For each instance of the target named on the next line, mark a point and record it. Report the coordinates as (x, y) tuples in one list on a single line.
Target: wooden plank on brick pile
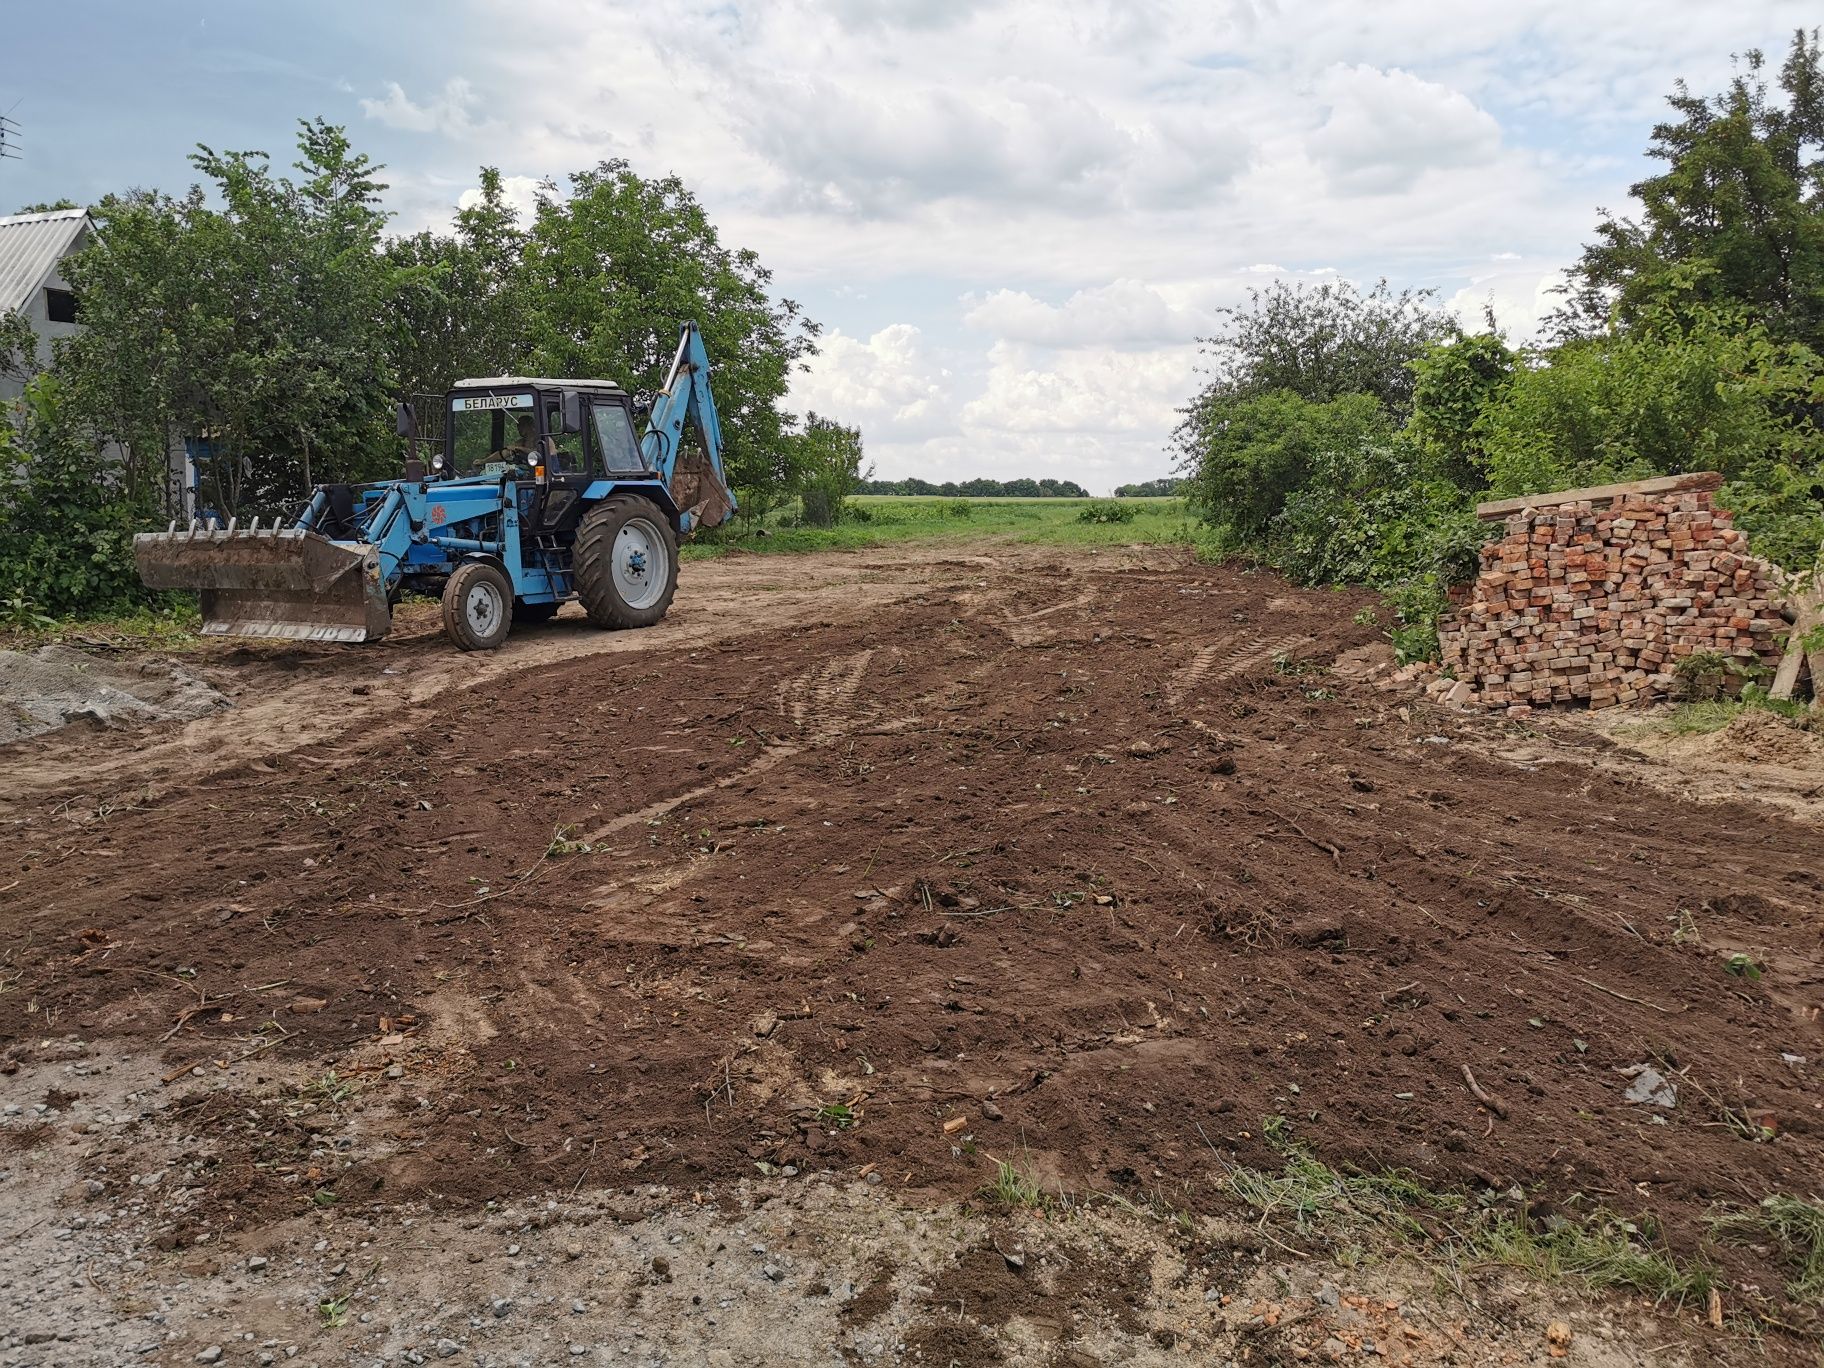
[(1662, 484), (1810, 617)]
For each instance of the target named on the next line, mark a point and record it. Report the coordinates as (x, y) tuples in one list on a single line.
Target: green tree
[(1453, 383), (462, 308), (1735, 219), (1319, 342), (612, 272), (1269, 446), (1149, 489), (51, 207), (828, 468), (260, 327), (18, 346)]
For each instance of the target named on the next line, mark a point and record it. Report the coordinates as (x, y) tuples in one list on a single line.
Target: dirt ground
[(858, 875)]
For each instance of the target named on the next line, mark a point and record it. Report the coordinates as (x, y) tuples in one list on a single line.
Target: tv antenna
[(9, 136)]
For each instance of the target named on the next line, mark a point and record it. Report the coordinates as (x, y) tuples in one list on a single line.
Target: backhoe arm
[(702, 490)]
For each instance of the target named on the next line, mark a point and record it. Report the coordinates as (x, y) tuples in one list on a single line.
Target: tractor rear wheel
[(626, 562), (477, 607)]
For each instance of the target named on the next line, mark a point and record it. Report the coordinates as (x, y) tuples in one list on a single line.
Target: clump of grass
[(1017, 1185), (334, 1311), (1603, 1250), (1797, 1228), (1713, 714), (1317, 1199), (328, 1090)]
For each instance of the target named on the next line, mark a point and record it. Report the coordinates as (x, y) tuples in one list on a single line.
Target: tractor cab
[(553, 438), (513, 424)]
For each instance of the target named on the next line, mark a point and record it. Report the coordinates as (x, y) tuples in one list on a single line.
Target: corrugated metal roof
[(30, 245)]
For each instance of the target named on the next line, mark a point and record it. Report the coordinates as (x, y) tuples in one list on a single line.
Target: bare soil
[(865, 863)]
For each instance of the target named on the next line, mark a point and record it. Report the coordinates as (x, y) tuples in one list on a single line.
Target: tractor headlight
[(436, 463)]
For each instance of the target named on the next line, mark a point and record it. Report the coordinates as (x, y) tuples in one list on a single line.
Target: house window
[(60, 306)]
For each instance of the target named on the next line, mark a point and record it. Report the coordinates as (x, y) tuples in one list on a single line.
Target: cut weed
[(1797, 1228), (1603, 1250), (1016, 1185)]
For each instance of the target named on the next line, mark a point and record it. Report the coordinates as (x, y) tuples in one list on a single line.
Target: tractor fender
[(652, 490), (488, 558)]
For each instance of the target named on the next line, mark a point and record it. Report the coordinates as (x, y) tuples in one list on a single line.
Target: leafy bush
[(1106, 511), (66, 527)]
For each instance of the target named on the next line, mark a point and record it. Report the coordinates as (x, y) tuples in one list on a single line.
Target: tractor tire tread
[(594, 567), (456, 624)]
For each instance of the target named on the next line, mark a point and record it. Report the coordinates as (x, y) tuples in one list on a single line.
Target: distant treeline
[(978, 489), (1150, 489)]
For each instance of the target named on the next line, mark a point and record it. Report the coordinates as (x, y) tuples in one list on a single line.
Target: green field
[(883, 518)]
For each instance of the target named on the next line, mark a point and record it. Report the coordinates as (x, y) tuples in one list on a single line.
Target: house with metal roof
[(32, 249)]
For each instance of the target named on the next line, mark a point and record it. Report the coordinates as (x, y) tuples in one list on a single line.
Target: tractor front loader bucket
[(274, 582)]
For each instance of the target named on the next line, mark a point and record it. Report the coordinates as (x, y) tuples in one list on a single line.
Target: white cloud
[(1121, 313), (521, 192), (1386, 128), (1095, 391), (888, 383), (446, 112)]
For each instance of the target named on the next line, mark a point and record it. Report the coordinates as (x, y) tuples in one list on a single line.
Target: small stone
[(512, 1251), (213, 1354), (256, 1263), (395, 1071), (447, 1348), (1328, 1295), (152, 1179), (661, 1265), (578, 1307), (578, 1350), (502, 1308), (874, 1180), (772, 1273), (306, 1006)]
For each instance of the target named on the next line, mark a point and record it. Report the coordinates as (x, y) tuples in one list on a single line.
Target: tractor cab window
[(564, 449), (615, 440), (490, 433)]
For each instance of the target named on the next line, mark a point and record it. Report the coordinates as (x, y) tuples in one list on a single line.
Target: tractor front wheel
[(477, 607), (626, 562)]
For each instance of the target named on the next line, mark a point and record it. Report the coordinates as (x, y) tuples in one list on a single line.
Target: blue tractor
[(541, 492)]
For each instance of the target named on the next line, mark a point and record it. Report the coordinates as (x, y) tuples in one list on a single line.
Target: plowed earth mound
[(1090, 864)]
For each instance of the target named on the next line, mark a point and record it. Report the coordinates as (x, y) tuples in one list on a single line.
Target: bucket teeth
[(265, 582)]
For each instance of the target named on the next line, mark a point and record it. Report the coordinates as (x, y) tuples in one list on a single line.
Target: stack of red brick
[(1598, 600)]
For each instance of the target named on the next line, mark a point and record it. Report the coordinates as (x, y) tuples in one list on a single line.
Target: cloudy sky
[(1013, 217)]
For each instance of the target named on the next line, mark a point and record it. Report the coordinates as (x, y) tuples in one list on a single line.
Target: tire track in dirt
[(820, 698), (1219, 662), (1019, 625)]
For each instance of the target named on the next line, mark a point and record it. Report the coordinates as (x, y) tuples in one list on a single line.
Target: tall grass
[(884, 519)]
